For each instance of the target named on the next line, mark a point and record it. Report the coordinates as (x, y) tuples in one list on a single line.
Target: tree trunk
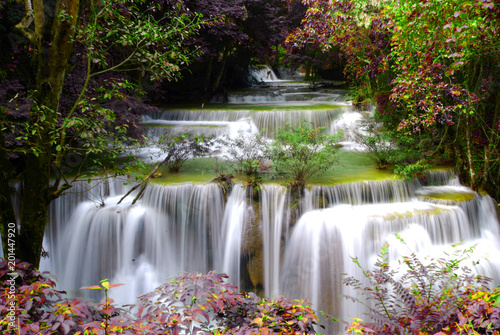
[(491, 149), (7, 214), (470, 160), (219, 74), (35, 202), (54, 42)]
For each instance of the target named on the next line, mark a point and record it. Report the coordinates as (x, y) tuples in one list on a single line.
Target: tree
[(302, 152), (241, 32), (108, 37), (431, 67), (352, 32), (446, 79)]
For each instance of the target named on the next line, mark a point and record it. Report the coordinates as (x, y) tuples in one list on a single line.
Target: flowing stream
[(258, 241)]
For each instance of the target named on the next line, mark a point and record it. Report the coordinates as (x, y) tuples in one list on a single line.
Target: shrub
[(180, 148), (188, 304), (379, 143), (441, 297), (302, 152), (248, 151)]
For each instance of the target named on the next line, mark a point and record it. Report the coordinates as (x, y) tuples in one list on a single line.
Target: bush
[(188, 304), (182, 147), (302, 152), (441, 297), (248, 151), (379, 143)]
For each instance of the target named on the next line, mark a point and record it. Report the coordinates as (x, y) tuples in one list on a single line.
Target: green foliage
[(380, 144), (303, 151), (440, 296), (432, 67), (412, 170), (246, 150), (132, 28)]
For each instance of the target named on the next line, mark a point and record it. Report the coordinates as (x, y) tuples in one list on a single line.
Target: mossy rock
[(408, 214), (448, 198)]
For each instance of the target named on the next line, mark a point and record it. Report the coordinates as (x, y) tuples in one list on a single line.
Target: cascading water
[(196, 227), (273, 220), (324, 241)]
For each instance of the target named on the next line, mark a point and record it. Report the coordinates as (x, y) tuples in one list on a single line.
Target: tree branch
[(27, 20), (145, 182)]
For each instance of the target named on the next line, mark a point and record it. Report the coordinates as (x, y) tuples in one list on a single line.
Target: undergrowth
[(188, 304), (440, 296)]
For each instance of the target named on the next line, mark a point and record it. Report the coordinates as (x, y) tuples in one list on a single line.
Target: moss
[(199, 170), (409, 214), (447, 197), (352, 167)]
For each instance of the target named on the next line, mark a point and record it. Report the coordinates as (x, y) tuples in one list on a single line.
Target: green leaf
[(95, 287)]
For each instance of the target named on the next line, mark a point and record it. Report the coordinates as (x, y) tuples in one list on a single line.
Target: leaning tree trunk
[(219, 74)]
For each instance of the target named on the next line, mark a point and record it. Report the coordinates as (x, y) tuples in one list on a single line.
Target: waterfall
[(263, 74), (172, 229), (218, 122), (273, 218), (233, 226), (324, 241), (364, 192), (191, 227)]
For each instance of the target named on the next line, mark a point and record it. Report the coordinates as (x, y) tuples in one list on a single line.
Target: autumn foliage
[(431, 67), (188, 304)]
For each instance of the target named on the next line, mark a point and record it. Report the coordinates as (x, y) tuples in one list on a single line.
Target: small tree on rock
[(380, 144), (302, 152), (182, 147)]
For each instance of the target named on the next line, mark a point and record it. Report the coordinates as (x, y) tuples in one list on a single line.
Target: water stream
[(195, 227)]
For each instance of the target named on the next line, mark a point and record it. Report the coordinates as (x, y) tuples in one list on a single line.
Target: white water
[(274, 222), (187, 227)]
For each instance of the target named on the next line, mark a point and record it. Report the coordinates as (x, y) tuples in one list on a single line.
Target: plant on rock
[(180, 148), (379, 143), (247, 151), (300, 152)]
